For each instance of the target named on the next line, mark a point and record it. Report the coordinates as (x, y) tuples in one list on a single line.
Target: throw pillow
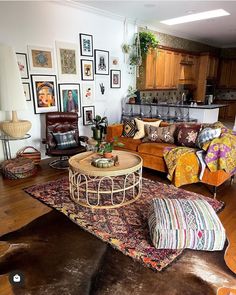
[(65, 140), (187, 135), (129, 128), (140, 126), (184, 223), (159, 134), (207, 134)]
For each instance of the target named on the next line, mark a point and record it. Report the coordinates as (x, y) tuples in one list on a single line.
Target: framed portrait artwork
[(86, 45), (101, 62), (44, 93), (41, 59), (70, 98), (87, 70), (67, 59), (23, 65), (27, 93), (102, 88), (115, 78), (87, 93), (88, 115)]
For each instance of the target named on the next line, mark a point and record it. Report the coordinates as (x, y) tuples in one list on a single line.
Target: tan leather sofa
[(152, 155)]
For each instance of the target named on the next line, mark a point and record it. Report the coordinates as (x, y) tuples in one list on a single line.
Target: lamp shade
[(12, 97)]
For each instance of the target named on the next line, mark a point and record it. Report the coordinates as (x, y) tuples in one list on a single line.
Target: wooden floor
[(17, 208)]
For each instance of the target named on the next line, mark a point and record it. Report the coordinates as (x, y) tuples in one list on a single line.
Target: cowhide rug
[(57, 258)]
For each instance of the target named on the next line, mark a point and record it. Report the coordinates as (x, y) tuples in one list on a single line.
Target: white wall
[(42, 23)]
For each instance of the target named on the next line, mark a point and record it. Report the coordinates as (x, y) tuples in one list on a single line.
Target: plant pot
[(107, 155), (97, 134)]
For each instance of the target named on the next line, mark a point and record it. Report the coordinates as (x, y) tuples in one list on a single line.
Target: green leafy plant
[(99, 126), (107, 147), (148, 41), (131, 92)]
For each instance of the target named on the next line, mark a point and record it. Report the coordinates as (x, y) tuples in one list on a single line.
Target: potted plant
[(148, 41), (106, 148), (131, 94), (99, 127)]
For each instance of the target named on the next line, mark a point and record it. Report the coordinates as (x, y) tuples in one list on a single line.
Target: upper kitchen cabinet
[(160, 70), (224, 73), (212, 67), (188, 69)]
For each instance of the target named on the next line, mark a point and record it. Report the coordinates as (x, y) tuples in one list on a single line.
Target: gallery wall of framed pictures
[(93, 67)]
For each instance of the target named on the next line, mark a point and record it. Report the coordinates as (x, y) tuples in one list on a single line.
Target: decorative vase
[(107, 155), (97, 134)]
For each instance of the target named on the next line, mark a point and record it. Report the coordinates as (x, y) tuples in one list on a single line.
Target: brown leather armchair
[(59, 123)]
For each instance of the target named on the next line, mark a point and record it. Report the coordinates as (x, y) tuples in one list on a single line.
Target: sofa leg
[(214, 191)]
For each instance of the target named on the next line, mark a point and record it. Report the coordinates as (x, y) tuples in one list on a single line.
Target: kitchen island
[(174, 112)]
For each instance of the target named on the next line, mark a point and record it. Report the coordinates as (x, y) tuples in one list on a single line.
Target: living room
[(103, 82)]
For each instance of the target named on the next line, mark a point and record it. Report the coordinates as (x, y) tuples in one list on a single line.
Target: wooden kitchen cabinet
[(232, 78), (188, 69), (228, 112), (225, 72), (212, 67)]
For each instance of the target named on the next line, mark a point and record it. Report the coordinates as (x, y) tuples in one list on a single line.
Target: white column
[(234, 128)]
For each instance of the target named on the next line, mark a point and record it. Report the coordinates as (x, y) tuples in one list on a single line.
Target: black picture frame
[(82, 37), (84, 76), (87, 121), (27, 91), (101, 61), (115, 79), (23, 64), (50, 82), (64, 88)]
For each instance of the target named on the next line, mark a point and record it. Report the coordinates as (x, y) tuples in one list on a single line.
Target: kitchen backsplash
[(226, 94), (170, 96)]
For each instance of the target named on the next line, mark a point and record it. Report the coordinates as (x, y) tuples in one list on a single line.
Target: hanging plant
[(148, 41)]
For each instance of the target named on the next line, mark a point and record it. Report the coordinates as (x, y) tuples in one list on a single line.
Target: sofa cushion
[(129, 143), (129, 128), (206, 135), (152, 148), (187, 135), (184, 223), (159, 134), (140, 126)]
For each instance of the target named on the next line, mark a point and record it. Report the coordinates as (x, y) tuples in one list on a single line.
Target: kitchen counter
[(172, 105)]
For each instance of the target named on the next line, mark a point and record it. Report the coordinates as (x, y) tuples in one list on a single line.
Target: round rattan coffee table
[(105, 188)]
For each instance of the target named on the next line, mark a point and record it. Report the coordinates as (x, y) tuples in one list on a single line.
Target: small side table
[(6, 144)]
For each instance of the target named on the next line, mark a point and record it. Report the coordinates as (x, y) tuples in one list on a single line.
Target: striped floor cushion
[(181, 223)]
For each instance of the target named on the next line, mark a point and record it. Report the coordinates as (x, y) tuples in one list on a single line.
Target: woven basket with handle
[(30, 152)]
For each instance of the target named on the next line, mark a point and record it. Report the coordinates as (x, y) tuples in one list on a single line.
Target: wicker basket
[(33, 155)]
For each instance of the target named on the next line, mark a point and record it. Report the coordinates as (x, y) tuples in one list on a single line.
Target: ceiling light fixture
[(195, 17)]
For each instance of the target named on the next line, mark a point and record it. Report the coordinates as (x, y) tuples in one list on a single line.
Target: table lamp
[(12, 97)]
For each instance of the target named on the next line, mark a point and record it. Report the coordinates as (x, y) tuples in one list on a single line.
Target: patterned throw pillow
[(185, 223), (140, 126), (159, 134), (187, 135), (65, 140), (207, 134), (129, 128)]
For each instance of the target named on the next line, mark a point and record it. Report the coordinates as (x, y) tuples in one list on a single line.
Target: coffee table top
[(128, 163)]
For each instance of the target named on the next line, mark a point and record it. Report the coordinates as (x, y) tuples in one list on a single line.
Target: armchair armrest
[(114, 130), (83, 138)]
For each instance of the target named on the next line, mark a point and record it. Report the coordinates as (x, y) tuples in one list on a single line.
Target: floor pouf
[(18, 168), (181, 223)]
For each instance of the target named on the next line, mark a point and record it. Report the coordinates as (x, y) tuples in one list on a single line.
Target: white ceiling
[(220, 32)]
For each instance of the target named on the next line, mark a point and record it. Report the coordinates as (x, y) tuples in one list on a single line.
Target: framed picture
[(70, 98), (115, 78), (114, 62), (86, 45), (102, 88), (22, 64), (87, 70), (41, 59), (101, 62), (88, 93), (26, 87), (88, 115), (44, 93), (67, 59)]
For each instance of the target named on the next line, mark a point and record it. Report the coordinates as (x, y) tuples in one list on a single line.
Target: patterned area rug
[(125, 228)]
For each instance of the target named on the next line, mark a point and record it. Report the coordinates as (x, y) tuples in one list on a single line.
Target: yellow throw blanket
[(183, 166)]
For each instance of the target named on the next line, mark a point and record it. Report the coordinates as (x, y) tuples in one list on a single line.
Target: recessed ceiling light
[(195, 17)]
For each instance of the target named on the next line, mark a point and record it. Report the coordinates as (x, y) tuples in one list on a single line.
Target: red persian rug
[(125, 228)]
